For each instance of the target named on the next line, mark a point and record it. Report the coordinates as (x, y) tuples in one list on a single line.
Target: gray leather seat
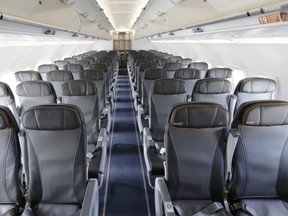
[(56, 162), (165, 93), (190, 76), (215, 90), (202, 66), (45, 68), (61, 64), (194, 171), (57, 78), (104, 69), (171, 67), (140, 73), (175, 59), (32, 93), (254, 88), (185, 62), (11, 200), (75, 69), (161, 62), (224, 73), (71, 60), (259, 164), (27, 75), (98, 77), (83, 93), (84, 63), (7, 99)]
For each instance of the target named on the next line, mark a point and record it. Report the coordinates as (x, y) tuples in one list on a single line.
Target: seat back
[(224, 73), (149, 76), (10, 193), (202, 66), (161, 62), (142, 67), (164, 94), (185, 62), (254, 88), (57, 78), (45, 68), (27, 75), (56, 148), (190, 76), (61, 64), (84, 63), (32, 93), (7, 99), (75, 69), (171, 67), (215, 90), (260, 159), (104, 69), (175, 59), (71, 60), (194, 143), (98, 77), (83, 93)]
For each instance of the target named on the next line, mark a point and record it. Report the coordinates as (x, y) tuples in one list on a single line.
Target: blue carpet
[(125, 190)]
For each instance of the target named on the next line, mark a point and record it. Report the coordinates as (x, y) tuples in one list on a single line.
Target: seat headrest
[(75, 67), (162, 61), (198, 115), (172, 66), (212, 86), (256, 85), (59, 75), (5, 90), (21, 76), (199, 65), (262, 113), (154, 73), (78, 88), (99, 66), (53, 117), (168, 86), (147, 65), (94, 74), (7, 119), (187, 73), (34, 88), (47, 67), (219, 73)]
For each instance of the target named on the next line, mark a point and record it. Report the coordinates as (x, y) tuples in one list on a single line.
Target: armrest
[(102, 143), (147, 138), (90, 205), (162, 199), (140, 112)]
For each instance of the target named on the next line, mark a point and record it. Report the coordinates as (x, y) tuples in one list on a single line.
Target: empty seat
[(170, 68), (83, 93), (161, 62), (97, 76), (175, 59), (11, 200), (185, 62), (57, 78), (194, 171), (202, 66), (84, 63), (71, 60), (61, 64), (27, 75), (225, 73), (56, 143), (259, 163), (254, 88), (190, 76), (7, 99), (214, 90), (32, 93), (75, 69), (140, 73), (104, 69), (164, 94), (45, 68)]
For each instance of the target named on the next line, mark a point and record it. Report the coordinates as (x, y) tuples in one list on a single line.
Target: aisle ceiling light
[(122, 13)]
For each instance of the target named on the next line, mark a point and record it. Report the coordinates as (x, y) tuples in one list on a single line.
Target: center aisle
[(125, 191)]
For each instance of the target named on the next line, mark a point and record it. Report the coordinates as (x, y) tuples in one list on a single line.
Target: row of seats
[(75, 122), (203, 171)]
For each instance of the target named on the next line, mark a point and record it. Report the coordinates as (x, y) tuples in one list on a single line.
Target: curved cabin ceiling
[(143, 17)]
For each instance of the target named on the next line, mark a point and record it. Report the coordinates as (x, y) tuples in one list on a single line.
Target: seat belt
[(211, 210), (230, 149)]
